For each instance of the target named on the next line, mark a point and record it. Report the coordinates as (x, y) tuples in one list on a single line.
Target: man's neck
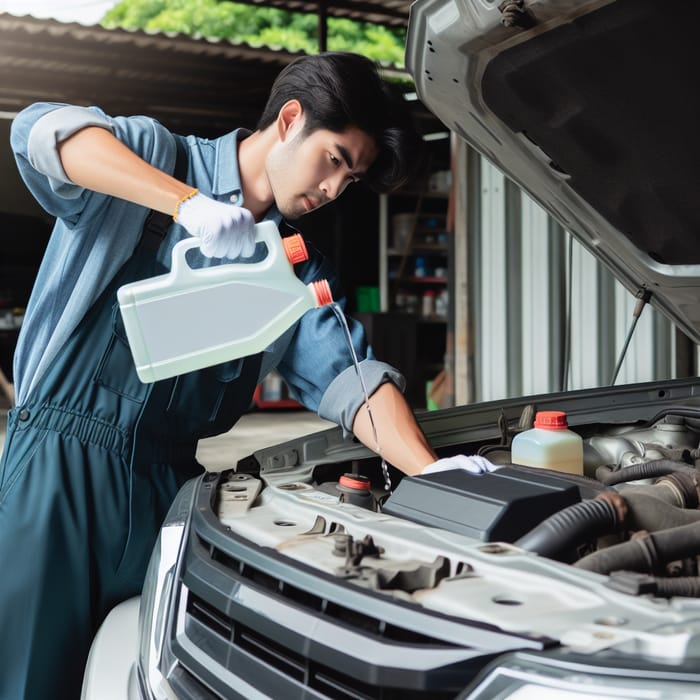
[(252, 154)]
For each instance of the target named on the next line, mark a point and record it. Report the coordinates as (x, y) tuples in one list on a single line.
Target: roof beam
[(391, 13)]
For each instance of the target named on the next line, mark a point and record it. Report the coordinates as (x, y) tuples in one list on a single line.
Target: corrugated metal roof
[(201, 85)]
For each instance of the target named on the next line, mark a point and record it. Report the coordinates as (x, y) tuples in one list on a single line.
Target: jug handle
[(265, 232)]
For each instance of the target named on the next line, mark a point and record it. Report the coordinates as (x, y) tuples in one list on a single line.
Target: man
[(93, 457)]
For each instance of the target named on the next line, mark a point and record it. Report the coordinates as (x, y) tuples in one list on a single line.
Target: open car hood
[(592, 107)]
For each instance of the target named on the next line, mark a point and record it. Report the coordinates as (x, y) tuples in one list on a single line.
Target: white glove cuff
[(181, 203)]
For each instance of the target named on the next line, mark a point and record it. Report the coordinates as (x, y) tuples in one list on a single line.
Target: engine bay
[(632, 516), (604, 562)]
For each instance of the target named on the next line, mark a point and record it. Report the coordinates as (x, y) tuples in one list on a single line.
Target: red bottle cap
[(323, 292), (355, 481), (295, 248), (551, 420)]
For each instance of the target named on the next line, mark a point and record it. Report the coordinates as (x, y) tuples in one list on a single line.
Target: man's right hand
[(226, 231), (474, 464)]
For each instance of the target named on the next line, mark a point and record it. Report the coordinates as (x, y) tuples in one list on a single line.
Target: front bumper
[(110, 673)]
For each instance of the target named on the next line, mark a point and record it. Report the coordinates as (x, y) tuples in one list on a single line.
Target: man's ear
[(290, 115)]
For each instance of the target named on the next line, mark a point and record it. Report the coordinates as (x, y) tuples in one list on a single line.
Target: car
[(296, 575)]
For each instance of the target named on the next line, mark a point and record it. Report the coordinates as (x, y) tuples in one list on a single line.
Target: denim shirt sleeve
[(36, 132), (94, 234), (317, 364)]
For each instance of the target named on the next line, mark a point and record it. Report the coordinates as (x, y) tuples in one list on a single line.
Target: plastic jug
[(190, 318), (550, 444)]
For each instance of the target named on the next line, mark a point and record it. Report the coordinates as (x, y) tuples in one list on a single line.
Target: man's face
[(308, 170)]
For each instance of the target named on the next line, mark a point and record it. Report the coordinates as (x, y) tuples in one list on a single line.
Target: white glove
[(474, 464), (226, 231)]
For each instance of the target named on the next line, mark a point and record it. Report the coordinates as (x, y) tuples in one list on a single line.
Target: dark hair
[(339, 90)]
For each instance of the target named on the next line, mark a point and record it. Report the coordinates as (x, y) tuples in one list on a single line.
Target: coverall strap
[(157, 223)]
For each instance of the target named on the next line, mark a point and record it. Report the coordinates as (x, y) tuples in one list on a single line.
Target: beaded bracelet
[(184, 199)]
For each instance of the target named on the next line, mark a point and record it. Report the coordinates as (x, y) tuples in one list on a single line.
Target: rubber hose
[(646, 554), (559, 534), (648, 511), (647, 470), (682, 484), (686, 586)]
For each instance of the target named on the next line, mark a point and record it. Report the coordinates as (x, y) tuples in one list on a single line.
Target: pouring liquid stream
[(344, 325)]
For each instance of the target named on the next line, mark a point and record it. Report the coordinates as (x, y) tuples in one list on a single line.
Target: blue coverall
[(93, 457)]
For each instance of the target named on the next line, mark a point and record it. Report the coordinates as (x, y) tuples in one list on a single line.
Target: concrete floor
[(255, 430)]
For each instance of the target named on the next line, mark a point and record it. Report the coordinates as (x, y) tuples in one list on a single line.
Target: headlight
[(156, 594), (526, 677)]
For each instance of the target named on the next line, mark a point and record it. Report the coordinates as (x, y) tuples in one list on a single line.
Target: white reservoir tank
[(550, 445)]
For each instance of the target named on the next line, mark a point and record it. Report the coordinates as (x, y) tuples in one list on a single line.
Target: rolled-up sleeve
[(345, 395), (38, 129), (35, 134), (48, 131)]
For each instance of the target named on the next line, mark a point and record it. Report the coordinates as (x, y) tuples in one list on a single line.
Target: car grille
[(251, 622), (318, 604), (327, 681)]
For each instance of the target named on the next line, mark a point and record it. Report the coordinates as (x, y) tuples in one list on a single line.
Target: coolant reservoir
[(550, 445)]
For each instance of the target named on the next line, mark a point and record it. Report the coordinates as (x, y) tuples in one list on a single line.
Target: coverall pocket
[(116, 371)]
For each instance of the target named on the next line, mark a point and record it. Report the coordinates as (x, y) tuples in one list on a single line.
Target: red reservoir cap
[(355, 481), (551, 420)]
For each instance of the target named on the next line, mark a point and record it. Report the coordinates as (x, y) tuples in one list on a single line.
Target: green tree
[(258, 26)]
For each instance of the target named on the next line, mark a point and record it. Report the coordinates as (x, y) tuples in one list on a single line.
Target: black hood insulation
[(612, 99)]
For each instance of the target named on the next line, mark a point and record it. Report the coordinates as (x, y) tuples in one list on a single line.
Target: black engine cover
[(499, 506)]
